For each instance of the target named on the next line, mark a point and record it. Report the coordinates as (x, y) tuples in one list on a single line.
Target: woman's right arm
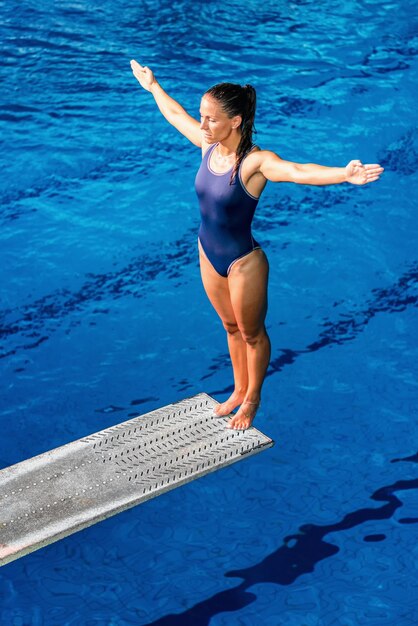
[(170, 108)]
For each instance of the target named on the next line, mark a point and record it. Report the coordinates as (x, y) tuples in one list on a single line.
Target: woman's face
[(214, 122)]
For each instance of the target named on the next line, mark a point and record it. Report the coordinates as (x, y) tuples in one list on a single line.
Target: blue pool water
[(103, 316)]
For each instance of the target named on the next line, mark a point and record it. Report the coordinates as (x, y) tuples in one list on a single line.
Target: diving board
[(64, 490)]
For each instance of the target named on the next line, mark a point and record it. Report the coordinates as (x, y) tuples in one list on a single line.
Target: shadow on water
[(298, 554)]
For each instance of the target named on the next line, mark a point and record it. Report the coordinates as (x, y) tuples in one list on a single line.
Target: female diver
[(230, 180)]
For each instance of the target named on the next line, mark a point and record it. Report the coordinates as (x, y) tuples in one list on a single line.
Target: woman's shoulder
[(255, 149), (255, 160), (251, 162), (258, 154)]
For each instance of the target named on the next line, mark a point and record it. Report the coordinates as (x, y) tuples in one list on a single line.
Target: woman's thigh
[(217, 290), (248, 281)]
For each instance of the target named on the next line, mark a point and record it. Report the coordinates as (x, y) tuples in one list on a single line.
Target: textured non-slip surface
[(64, 490)]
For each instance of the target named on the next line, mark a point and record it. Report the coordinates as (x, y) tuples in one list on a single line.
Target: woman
[(231, 178)]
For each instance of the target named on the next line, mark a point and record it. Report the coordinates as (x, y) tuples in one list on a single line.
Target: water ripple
[(38, 319), (402, 155)]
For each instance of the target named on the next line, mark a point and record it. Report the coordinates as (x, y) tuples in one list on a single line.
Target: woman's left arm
[(278, 170)]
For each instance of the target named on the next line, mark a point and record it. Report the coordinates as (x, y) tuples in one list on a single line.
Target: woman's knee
[(231, 327), (253, 336)]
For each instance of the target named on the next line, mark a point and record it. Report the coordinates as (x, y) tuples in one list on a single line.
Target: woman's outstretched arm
[(170, 108), (277, 170)]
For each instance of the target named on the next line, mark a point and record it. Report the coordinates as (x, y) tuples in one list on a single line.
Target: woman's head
[(228, 108), (236, 101)]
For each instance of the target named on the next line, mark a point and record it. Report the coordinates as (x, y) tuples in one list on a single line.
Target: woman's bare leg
[(248, 293), (238, 353), (217, 290)]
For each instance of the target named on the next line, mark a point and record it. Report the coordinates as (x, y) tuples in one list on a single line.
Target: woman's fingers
[(143, 74), (374, 168), (139, 69), (360, 174), (136, 64), (373, 171), (136, 68)]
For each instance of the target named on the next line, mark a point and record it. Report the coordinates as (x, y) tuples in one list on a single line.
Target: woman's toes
[(242, 420), (237, 423)]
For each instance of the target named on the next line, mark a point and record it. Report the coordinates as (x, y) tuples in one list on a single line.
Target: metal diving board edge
[(57, 493)]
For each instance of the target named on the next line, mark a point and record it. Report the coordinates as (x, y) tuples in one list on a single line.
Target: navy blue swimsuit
[(226, 215)]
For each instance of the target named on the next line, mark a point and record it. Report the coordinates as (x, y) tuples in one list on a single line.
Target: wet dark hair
[(237, 100)]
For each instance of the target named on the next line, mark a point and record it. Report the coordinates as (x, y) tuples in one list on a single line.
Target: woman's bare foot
[(234, 400), (244, 417)]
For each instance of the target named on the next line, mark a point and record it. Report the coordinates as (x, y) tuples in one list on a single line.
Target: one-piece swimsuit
[(226, 211)]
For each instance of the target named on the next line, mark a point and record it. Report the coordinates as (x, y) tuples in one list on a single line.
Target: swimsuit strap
[(210, 150), (246, 154)]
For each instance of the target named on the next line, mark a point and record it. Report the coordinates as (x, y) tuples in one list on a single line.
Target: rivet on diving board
[(62, 491)]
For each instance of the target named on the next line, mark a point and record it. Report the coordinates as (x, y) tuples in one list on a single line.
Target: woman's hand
[(359, 174), (144, 75)]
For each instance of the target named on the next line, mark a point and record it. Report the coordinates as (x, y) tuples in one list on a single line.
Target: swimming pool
[(103, 314)]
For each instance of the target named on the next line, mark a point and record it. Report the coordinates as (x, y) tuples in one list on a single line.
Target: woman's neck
[(228, 147)]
